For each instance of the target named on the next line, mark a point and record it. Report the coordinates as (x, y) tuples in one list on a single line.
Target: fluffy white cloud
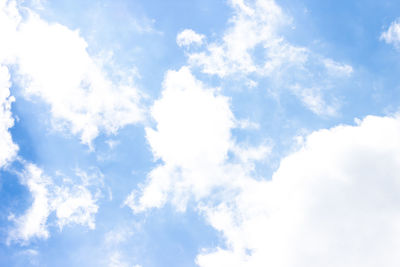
[(188, 37), (253, 45), (192, 136), (333, 203), (193, 139), (8, 149), (53, 63), (392, 35), (73, 203)]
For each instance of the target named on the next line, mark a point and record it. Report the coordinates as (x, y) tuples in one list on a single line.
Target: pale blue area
[(346, 31)]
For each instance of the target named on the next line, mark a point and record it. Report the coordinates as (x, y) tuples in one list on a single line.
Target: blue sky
[(199, 133)]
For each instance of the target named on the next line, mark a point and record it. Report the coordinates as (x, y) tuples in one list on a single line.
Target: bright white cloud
[(8, 149), (53, 64), (392, 35), (253, 45), (188, 37), (334, 202), (193, 139), (73, 203)]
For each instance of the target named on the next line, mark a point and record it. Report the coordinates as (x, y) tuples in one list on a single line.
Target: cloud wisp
[(72, 202), (253, 48)]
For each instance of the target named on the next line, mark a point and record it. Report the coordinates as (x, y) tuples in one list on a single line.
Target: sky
[(209, 133)]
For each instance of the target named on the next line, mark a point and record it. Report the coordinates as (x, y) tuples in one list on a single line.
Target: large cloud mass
[(334, 202)]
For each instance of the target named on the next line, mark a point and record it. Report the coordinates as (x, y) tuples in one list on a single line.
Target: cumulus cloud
[(253, 45), (392, 35), (53, 64), (8, 149), (188, 37), (72, 203), (192, 138), (332, 202)]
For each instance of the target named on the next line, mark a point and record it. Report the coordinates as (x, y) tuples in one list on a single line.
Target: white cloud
[(188, 37), (248, 153), (8, 149), (392, 35), (33, 223), (253, 24), (336, 68), (53, 64), (312, 98), (253, 45), (73, 203), (334, 202), (8, 21), (192, 138)]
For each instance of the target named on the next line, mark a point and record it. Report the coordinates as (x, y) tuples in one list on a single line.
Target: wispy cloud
[(72, 202), (253, 45)]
